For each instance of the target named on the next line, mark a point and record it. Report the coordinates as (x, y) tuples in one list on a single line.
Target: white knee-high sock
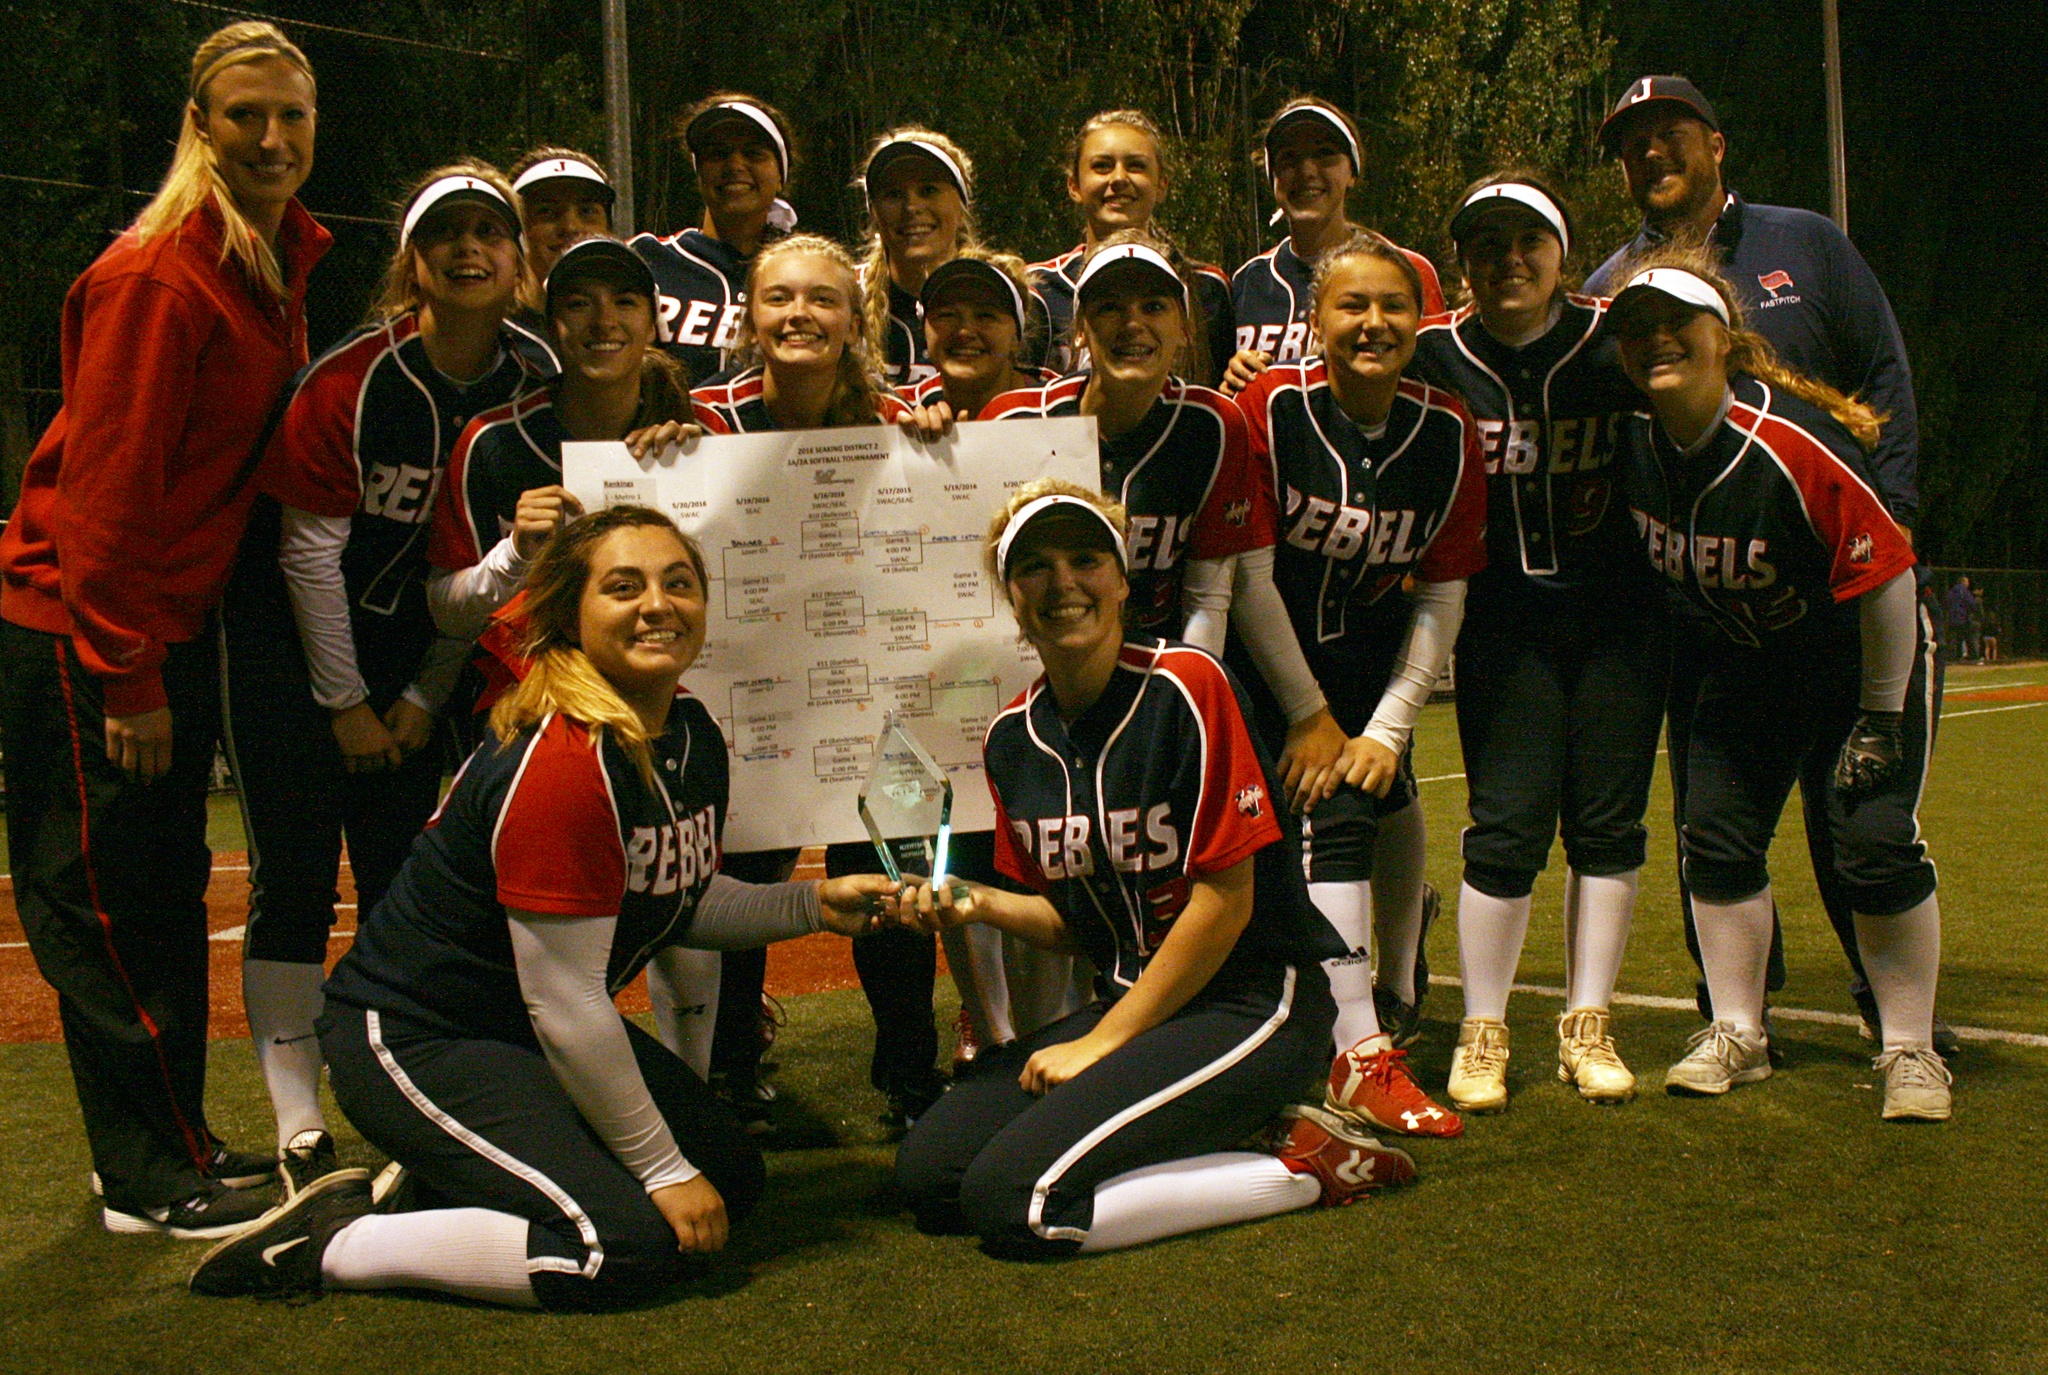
[(1347, 907), (1398, 857), (682, 993), (1598, 909), (1490, 935), (974, 954), (1188, 1195), (1902, 956), (474, 1252), (284, 1001), (1735, 945)]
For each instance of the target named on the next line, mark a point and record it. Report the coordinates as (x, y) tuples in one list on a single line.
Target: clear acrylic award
[(906, 803)]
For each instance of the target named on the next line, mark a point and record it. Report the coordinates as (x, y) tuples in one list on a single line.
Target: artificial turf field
[(1780, 1229)]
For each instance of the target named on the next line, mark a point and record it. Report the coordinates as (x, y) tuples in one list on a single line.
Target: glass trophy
[(906, 803)]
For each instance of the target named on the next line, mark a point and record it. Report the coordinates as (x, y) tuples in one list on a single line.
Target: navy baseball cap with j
[(1652, 92)]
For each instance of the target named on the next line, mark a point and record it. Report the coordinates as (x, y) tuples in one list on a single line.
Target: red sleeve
[(1238, 512), (1235, 818), (556, 848), (889, 407), (130, 386), (311, 461), (453, 541), (1865, 546), (1432, 288), (1012, 861), (1459, 549)]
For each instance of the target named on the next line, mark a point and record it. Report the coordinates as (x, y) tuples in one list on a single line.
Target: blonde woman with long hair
[(919, 187), (177, 342), (576, 1161)]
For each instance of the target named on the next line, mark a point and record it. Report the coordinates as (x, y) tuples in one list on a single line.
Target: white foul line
[(1986, 711)]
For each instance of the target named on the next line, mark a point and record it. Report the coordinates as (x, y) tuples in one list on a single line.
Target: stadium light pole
[(618, 113), (1838, 153)]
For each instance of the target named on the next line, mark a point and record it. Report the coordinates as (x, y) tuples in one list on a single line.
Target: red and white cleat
[(1376, 1090), (1344, 1160), (966, 1045)]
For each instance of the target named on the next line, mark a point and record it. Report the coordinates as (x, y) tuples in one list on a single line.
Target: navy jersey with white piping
[(1114, 816), (737, 406), (1358, 514), (1805, 288), (1773, 527), (533, 338), (933, 388), (366, 434), (1547, 415), (701, 289), (502, 453), (557, 821), (1184, 473), (1273, 295), (1054, 281)]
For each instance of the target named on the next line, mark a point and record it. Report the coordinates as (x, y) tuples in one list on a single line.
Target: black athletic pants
[(486, 1124), (298, 800), (110, 880), (898, 970), (1558, 714), (1021, 1172)]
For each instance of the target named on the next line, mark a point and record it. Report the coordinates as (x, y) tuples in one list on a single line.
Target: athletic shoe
[(1432, 902), (1479, 1066), (306, 1157), (966, 1045), (748, 1098), (1401, 1021), (230, 1168), (391, 1191), (1343, 1159), (280, 1255), (1946, 1043), (1916, 1085), (1376, 1089), (910, 1098), (214, 1211), (1721, 1055), (1586, 1057)]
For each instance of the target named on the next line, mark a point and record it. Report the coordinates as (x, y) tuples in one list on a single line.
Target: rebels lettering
[(1128, 854), (1156, 541), (667, 859), (398, 491), (1576, 445), (697, 324), (1279, 342), (1342, 532), (1716, 562), (1059, 844)]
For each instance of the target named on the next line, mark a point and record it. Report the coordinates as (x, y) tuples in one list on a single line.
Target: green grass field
[(1782, 1229)]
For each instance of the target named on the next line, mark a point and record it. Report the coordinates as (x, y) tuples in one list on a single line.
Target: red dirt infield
[(2030, 692)]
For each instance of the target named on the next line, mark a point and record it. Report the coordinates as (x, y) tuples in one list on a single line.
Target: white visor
[(1327, 116), (895, 148), (975, 270), (1680, 285), (560, 169), (1031, 510), (755, 115), (1127, 253), (471, 188), (1522, 194)]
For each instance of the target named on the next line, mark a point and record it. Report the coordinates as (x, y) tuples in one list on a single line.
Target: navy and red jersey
[(735, 406), (1359, 513), (701, 288), (558, 821), (1548, 416), (366, 434), (1115, 815), (1273, 295), (502, 453), (1185, 475), (1772, 526), (933, 388), (533, 338), (1054, 281), (904, 360)]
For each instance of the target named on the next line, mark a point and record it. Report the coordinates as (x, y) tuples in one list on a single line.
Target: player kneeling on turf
[(470, 1031), (1130, 796)]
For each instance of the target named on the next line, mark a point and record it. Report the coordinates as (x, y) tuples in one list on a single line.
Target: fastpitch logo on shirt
[(667, 859), (1575, 445), (1344, 532), (1861, 549), (1778, 289), (1059, 845), (1252, 800)]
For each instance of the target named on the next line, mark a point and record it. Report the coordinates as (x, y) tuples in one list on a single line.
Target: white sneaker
[(1587, 1059), (1479, 1066), (1721, 1055), (1916, 1085)]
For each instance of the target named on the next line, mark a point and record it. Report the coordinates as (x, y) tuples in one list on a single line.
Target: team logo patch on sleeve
[(1774, 282), (1237, 513), (1861, 548), (1252, 800)]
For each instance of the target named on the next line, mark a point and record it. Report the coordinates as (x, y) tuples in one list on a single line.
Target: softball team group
[(1203, 896)]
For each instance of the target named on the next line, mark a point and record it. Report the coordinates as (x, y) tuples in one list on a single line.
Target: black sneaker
[(308, 1156), (910, 1098), (748, 1098), (214, 1211), (239, 1169), (1432, 903), (1402, 1021), (280, 1256)]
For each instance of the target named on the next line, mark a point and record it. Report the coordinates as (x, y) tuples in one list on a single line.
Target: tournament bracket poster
[(845, 581)]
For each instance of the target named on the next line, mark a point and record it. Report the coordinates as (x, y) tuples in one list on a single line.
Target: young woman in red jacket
[(177, 342)]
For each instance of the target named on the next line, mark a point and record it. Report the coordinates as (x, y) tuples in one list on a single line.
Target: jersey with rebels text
[(1185, 475), (557, 821), (933, 388), (1272, 296), (366, 434), (1054, 281), (1548, 414), (736, 406), (701, 289), (1770, 528), (1115, 815), (503, 452), (1358, 514)]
